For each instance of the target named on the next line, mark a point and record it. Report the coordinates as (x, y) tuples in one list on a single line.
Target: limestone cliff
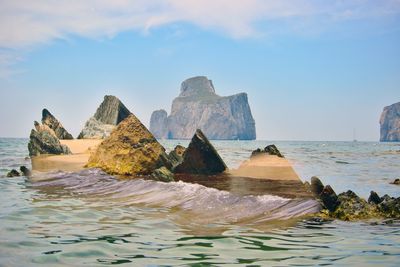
[(109, 114), (199, 107), (390, 123)]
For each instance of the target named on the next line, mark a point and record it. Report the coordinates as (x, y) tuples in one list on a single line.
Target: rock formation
[(390, 123), (199, 107), (43, 140), (176, 155), (269, 150), (13, 173), (49, 120), (200, 157), (109, 114), (130, 150)]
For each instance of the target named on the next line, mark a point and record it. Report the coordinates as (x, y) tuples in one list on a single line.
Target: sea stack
[(390, 123), (199, 107), (109, 114), (130, 150), (59, 130)]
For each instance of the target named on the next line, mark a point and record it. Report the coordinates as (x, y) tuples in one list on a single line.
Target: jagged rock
[(200, 157), (109, 114), (390, 207), (316, 186), (130, 150), (25, 171), (374, 198), (199, 107), (13, 173), (396, 181), (49, 120), (159, 124), (43, 140), (176, 155), (329, 198), (269, 150), (390, 123), (163, 175), (352, 207)]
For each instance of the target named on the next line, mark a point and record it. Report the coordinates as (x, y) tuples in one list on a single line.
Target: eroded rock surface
[(199, 107), (59, 130), (390, 123), (130, 150), (109, 114)]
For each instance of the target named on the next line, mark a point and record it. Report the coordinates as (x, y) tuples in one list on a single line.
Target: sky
[(313, 70)]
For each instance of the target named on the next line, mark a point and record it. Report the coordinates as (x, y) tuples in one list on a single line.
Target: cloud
[(26, 24)]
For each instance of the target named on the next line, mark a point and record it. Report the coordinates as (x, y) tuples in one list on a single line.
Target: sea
[(89, 218)]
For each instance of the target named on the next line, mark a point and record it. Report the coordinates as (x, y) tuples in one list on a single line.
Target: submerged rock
[(201, 157), (396, 181), (269, 150), (59, 130), (130, 150), (25, 171), (43, 140), (390, 123), (163, 175), (13, 173), (199, 107), (109, 114)]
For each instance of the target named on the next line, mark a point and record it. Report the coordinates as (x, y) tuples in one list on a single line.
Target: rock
[(396, 181), (49, 120), (159, 124), (176, 155), (390, 123), (43, 140), (316, 186), (13, 173), (390, 207), (109, 114), (329, 198), (25, 171), (269, 150), (200, 157), (163, 175), (199, 107), (129, 150), (374, 198), (351, 207)]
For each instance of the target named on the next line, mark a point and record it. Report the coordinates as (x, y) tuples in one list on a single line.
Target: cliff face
[(109, 114), (390, 123), (159, 124), (199, 107)]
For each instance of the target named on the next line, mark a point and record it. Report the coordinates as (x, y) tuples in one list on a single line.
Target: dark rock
[(329, 198), (374, 198), (13, 173), (390, 207), (43, 140), (159, 124), (163, 175), (49, 120), (109, 114), (390, 123), (25, 171), (316, 186), (269, 150), (199, 107), (176, 155), (351, 207), (201, 157), (396, 181)]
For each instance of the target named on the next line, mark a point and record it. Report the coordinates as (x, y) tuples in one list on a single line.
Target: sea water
[(89, 218)]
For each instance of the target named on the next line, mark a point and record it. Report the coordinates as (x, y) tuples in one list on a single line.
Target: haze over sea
[(89, 218)]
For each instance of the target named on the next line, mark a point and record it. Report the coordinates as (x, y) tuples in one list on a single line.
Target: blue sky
[(313, 70)]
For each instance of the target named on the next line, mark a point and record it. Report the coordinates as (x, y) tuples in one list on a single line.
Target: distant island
[(390, 123), (199, 107)]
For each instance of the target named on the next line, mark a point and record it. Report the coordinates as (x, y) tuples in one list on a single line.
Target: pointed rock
[(201, 157), (109, 114), (374, 198), (49, 120), (130, 150), (329, 198), (316, 186)]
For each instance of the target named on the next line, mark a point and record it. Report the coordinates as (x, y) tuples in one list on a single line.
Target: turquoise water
[(89, 218)]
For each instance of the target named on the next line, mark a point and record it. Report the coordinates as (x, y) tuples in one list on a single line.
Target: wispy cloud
[(26, 24)]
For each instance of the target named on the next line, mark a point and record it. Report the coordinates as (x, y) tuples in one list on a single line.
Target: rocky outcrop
[(109, 114), (43, 140), (269, 150), (390, 123), (176, 155), (130, 150), (200, 157), (159, 124), (199, 107), (59, 130), (13, 173)]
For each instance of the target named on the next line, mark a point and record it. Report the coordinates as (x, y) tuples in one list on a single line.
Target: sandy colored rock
[(59, 130), (130, 150)]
